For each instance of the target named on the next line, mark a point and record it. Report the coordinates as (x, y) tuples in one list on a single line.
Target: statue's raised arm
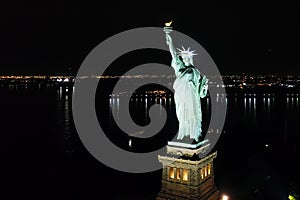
[(171, 46), (177, 63)]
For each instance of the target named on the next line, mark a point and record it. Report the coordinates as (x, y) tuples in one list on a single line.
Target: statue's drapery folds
[(189, 87)]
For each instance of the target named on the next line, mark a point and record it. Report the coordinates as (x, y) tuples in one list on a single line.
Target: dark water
[(42, 156)]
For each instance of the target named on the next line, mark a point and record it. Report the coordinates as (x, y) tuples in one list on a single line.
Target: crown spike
[(186, 51)]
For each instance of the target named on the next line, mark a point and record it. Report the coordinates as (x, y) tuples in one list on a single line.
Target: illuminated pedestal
[(187, 178)]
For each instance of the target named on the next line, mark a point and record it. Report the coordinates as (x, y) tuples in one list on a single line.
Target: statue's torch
[(168, 28)]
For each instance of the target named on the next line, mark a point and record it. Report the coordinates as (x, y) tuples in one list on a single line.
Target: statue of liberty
[(189, 87)]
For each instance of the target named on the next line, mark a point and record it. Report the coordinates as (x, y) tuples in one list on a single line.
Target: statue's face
[(186, 59)]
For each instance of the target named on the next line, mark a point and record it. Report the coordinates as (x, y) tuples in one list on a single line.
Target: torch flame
[(169, 23)]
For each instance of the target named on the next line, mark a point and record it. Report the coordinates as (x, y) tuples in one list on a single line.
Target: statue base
[(187, 145), (185, 149), (188, 179)]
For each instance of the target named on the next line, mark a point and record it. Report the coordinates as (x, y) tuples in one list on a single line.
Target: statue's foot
[(199, 139), (195, 141), (186, 140)]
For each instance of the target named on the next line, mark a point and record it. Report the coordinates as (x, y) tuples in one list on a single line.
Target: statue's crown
[(186, 52)]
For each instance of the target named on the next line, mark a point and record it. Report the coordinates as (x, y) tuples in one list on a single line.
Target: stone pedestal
[(188, 177)]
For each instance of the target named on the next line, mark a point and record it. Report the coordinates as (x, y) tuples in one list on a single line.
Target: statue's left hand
[(204, 86)]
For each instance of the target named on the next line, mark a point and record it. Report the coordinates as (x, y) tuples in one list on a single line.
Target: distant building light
[(267, 145)]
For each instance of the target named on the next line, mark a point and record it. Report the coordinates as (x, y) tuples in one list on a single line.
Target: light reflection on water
[(254, 105), (166, 100), (64, 118), (251, 103)]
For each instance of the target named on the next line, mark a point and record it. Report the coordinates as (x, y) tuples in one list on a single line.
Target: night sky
[(55, 37)]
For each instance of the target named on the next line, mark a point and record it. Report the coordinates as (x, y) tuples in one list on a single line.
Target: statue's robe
[(189, 87)]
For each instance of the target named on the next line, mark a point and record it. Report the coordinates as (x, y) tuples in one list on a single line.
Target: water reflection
[(145, 102), (268, 102), (59, 93), (269, 107), (64, 118), (254, 107), (292, 102), (253, 104)]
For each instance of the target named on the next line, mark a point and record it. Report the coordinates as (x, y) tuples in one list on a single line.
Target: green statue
[(189, 87)]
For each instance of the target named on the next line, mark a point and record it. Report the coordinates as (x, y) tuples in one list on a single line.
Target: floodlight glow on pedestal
[(225, 197)]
